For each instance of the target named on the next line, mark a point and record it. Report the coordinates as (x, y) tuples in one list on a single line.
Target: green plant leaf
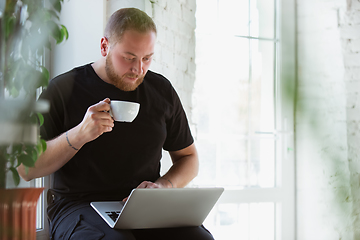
[(18, 164), (64, 32), (15, 175), (26, 160), (16, 148), (10, 25), (11, 78), (55, 31), (46, 74), (56, 4), (48, 14), (52, 14), (41, 119), (39, 148), (32, 81), (43, 144), (35, 154), (40, 79), (14, 92), (11, 159), (32, 151)]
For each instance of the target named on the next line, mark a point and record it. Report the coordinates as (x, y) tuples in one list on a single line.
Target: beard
[(119, 81)]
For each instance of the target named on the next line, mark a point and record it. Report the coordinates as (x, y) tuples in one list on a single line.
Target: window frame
[(283, 194), (286, 102), (43, 233)]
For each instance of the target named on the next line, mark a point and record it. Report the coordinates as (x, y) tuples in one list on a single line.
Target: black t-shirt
[(110, 166)]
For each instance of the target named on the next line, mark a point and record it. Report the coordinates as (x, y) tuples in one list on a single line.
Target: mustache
[(132, 75)]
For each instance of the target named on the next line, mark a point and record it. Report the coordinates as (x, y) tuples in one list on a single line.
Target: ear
[(104, 46)]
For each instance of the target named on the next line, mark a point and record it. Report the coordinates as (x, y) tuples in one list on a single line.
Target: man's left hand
[(148, 184)]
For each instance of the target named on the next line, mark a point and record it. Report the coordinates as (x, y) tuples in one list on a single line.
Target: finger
[(101, 106), (106, 129), (143, 184), (125, 199), (154, 185), (101, 122), (107, 100), (107, 123), (100, 125), (147, 184), (103, 115)]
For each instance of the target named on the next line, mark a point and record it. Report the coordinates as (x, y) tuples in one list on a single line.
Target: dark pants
[(83, 222)]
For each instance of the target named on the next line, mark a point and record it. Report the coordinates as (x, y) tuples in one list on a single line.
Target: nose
[(137, 67)]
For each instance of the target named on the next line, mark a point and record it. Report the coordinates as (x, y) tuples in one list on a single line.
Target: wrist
[(69, 143), (165, 182), (73, 139)]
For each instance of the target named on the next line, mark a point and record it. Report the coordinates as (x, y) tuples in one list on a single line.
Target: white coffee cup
[(123, 111)]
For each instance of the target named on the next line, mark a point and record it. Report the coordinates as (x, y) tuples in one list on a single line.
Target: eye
[(146, 59), (129, 59)]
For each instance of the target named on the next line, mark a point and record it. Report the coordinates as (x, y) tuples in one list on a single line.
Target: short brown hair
[(127, 19)]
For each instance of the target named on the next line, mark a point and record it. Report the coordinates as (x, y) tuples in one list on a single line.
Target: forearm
[(61, 149), (180, 174), (57, 154), (184, 169)]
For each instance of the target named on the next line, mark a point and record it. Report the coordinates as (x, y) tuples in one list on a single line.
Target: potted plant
[(27, 28)]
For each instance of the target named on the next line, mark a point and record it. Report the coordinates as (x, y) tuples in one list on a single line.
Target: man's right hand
[(96, 121), (59, 151)]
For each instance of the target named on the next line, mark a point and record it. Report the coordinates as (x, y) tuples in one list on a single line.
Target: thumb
[(103, 105), (107, 100)]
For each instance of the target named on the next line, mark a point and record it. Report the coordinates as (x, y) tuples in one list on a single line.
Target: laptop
[(159, 208)]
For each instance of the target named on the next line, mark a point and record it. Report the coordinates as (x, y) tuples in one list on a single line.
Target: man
[(93, 158)]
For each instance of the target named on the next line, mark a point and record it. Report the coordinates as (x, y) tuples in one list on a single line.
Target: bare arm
[(59, 152), (184, 169)]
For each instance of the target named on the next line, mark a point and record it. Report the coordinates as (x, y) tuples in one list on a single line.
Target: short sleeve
[(177, 126)]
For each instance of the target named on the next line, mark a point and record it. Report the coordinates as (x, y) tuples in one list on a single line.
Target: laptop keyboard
[(113, 215)]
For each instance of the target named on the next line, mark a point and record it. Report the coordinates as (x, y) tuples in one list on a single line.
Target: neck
[(99, 68)]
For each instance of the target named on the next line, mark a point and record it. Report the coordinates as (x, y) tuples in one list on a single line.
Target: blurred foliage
[(27, 28)]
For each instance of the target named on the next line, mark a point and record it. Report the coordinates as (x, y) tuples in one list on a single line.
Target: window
[(243, 132), (42, 224)]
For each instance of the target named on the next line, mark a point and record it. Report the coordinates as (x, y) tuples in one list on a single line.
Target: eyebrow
[(149, 55)]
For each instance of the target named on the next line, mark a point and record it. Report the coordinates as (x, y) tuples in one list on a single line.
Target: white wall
[(113, 5), (84, 20), (327, 117), (350, 37), (175, 50)]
